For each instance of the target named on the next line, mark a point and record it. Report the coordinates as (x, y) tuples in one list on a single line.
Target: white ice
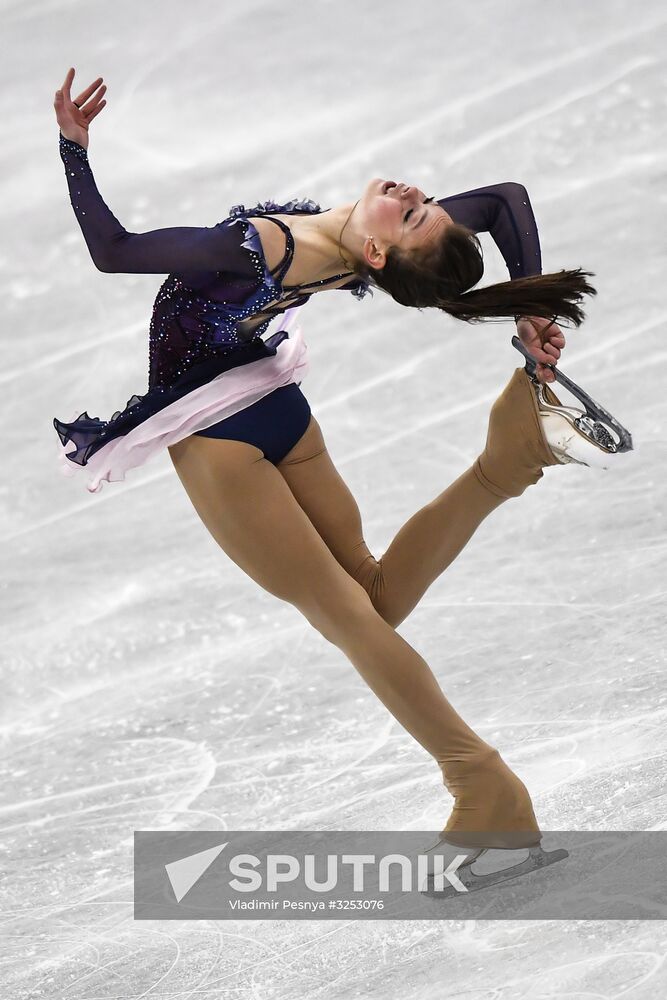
[(147, 681)]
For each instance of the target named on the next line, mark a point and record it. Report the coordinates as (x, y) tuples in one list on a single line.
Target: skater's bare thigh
[(249, 509)]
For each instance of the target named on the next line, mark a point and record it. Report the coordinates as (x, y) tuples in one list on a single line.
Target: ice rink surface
[(147, 681)]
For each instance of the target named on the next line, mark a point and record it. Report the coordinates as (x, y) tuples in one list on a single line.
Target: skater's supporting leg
[(250, 511)]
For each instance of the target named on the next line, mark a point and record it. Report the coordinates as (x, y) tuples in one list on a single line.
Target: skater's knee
[(370, 574), (389, 602)]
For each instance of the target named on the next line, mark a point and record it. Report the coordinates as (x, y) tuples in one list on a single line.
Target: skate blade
[(474, 881), (597, 423)]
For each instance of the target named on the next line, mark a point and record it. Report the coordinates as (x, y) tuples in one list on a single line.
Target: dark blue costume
[(218, 279)]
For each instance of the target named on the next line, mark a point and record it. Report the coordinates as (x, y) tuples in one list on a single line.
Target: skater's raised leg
[(250, 511), (515, 452)]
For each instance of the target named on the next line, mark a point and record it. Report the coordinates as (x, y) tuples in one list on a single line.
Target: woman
[(252, 457)]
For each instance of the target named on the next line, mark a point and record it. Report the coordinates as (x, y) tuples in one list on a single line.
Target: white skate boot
[(572, 435)]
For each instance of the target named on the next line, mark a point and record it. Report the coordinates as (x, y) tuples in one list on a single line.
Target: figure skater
[(251, 456)]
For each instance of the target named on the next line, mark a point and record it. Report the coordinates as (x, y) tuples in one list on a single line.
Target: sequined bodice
[(198, 316), (220, 293)]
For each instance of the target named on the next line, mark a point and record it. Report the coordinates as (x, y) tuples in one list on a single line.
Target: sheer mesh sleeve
[(162, 251), (504, 210)]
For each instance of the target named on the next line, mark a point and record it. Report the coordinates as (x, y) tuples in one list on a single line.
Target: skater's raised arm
[(162, 251), (112, 248), (504, 211)]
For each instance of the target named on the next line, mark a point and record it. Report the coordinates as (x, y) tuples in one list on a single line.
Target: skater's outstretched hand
[(544, 340), (74, 116)]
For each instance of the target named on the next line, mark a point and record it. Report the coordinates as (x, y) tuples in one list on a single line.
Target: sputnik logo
[(186, 871)]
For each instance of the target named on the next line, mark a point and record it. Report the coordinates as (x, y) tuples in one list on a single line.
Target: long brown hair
[(441, 277)]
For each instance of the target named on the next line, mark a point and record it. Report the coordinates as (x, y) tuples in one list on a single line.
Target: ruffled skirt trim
[(107, 449)]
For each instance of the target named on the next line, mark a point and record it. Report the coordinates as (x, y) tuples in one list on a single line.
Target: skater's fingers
[(548, 332), (69, 76), (557, 341), (544, 374), (552, 350), (540, 355), (88, 92)]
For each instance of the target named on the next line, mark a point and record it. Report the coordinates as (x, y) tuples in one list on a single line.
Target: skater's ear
[(431, 274)]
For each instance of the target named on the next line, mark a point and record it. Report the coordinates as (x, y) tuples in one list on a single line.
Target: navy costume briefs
[(273, 424)]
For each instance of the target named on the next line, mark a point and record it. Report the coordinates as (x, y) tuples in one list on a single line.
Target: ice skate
[(517, 449), (481, 867), (587, 437), (492, 834)]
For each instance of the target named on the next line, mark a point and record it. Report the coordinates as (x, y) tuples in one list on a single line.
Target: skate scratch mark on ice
[(145, 799), (399, 373), (588, 610), (162, 55), (69, 696), (332, 807), (582, 554), (641, 599), (519, 123), (275, 954), (575, 739), (300, 950), (107, 967), (48, 360), (519, 79), (108, 970), (372, 748), (101, 787), (95, 899), (273, 682), (478, 648), (632, 164), (208, 765), (614, 369)]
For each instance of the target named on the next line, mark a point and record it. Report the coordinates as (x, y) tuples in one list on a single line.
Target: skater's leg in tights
[(433, 537), (250, 511)]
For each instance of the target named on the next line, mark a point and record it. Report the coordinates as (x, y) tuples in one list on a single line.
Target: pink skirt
[(222, 396)]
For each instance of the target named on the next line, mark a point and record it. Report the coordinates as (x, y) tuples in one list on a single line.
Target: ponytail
[(444, 276), (552, 296)]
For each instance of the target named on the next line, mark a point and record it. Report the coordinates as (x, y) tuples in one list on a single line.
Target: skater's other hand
[(73, 120), (544, 340)]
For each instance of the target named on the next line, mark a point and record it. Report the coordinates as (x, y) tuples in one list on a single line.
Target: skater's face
[(398, 215)]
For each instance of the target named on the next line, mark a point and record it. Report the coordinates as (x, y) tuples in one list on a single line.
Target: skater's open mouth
[(387, 185)]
